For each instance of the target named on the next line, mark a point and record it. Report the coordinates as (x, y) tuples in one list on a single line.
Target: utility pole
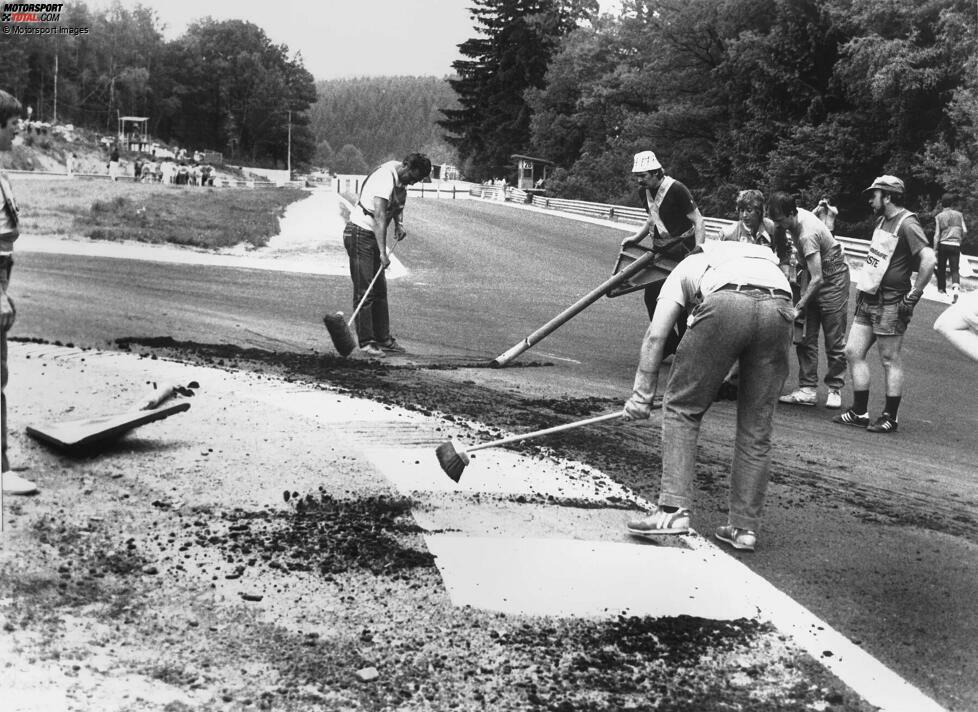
[(289, 154), (54, 119)]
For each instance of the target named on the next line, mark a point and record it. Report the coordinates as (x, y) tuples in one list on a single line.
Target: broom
[(454, 459), (339, 329)]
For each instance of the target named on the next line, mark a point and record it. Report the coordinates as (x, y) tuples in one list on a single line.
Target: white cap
[(645, 161)]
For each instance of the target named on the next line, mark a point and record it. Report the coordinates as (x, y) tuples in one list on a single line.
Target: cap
[(888, 183), (645, 161)]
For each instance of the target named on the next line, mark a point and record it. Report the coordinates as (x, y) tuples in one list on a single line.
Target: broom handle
[(547, 431), (370, 286)]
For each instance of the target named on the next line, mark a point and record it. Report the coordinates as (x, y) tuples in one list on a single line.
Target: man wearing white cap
[(885, 302), (675, 223)]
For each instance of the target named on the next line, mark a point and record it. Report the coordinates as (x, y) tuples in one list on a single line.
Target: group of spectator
[(149, 169)]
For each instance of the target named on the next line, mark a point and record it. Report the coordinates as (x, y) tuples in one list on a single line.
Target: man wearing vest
[(823, 303), (885, 302), (949, 231), (740, 312), (675, 224), (10, 116), (381, 202)]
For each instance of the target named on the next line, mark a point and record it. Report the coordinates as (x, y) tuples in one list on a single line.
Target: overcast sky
[(351, 38)]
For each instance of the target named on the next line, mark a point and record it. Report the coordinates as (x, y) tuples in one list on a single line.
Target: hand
[(7, 312), (399, 233), (385, 260), (799, 312), (906, 306), (632, 240), (637, 408)]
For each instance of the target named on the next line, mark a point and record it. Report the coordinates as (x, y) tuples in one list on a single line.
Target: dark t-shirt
[(905, 256), (676, 205)]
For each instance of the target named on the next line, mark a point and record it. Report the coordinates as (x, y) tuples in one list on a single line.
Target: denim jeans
[(827, 311), (373, 321), (754, 330), (948, 256)]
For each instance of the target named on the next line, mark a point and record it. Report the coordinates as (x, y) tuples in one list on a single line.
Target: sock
[(860, 401), (892, 406)]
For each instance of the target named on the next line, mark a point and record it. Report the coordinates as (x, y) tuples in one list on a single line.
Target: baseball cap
[(888, 183), (645, 161)]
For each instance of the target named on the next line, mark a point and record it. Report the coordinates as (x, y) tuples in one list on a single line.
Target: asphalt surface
[(877, 535)]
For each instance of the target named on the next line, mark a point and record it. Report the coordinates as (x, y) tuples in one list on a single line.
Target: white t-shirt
[(723, 263), (380, 184)]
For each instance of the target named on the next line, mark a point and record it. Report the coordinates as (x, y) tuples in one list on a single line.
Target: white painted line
[(544, 354), (560, 577)]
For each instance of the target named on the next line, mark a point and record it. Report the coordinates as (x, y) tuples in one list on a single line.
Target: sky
[(350, 38)]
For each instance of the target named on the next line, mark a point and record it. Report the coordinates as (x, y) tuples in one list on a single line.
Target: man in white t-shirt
[(740, 311), (381, 202)]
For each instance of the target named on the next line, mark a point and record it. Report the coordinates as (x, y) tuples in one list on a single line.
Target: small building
[(531, 173), (133, 133)]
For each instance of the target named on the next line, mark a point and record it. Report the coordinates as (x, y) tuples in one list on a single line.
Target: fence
[(855, 248)]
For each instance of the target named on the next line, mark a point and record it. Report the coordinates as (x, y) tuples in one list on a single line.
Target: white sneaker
[(15, 484), (802, 396), (833, 400), (955, 293)]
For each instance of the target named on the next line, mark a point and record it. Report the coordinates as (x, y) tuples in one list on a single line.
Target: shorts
[(883, 316)]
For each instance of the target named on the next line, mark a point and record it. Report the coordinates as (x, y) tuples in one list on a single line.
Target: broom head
[(339, 332), (452, 460)]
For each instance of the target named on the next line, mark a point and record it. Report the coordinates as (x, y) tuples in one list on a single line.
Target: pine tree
[(517, 40)]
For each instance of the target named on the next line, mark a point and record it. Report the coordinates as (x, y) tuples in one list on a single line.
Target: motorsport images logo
[(30, 12)]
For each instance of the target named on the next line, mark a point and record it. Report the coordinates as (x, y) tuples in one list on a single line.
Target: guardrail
[(855, 249)]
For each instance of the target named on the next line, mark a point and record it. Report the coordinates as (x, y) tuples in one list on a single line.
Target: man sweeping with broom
[(381, 202), (740, 311)]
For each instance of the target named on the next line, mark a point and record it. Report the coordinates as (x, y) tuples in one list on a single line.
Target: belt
[(757, 290)]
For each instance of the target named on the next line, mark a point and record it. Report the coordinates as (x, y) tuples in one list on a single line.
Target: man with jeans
[(740, 312), (885, 302), (10, 118), (381, 202), (823, 278), (949, 231)]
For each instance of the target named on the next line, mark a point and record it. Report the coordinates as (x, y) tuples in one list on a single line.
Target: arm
[(814, 264), (937, 233), (639, 405), (699, 225), (637, 237), (7, 312), (953, 327), (928, 261), (380, 230)]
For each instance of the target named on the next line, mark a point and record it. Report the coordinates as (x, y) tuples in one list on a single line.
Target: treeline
[(221, 86), (362, 122), (816, 97)]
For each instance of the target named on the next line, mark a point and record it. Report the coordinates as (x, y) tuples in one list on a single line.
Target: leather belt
[(759, 290)]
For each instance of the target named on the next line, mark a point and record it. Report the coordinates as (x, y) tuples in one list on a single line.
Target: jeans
[(754, 330), (4, 464), (826, 311), (948, 255), (373, 321)]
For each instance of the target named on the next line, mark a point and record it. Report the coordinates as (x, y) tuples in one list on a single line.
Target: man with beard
[(674, 222), (885, 302)]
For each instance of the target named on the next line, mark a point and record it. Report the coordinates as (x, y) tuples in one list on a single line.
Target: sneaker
[(391, 346), (851, 417), (802, 396), (372, 350), (659, 521), (743, 539), (15, 484), (833, 400), (883, 424), (955, 293)]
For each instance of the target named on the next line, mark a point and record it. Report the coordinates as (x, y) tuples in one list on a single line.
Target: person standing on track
[(381, 202), (10, 119), (675, 223), (885, 302), (823, 279), (740, 312), (827, 213), (949, 232)]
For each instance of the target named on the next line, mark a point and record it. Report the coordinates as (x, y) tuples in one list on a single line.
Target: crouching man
[(740, 312)]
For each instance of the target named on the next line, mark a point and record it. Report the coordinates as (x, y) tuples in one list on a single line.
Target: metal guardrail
[(855, 249)]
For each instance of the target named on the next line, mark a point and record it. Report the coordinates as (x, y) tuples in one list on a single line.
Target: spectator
[(885, 302), (114, 162), (827, 213), (70, 164), (381, 201), (674, 222), (823, 281), (10, 119), (949, 232)]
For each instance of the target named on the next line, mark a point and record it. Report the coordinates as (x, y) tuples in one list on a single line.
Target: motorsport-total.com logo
[(30, 12)]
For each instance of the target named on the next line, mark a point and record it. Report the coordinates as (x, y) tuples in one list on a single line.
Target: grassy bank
[(201, 217)]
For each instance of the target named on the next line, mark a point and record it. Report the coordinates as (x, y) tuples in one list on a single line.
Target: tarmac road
[(879, 536)]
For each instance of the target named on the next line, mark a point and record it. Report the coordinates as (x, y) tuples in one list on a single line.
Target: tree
[(349, 160), (323, 157), (517, 40)]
